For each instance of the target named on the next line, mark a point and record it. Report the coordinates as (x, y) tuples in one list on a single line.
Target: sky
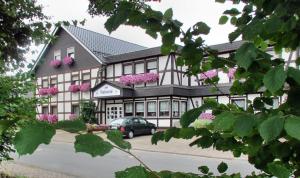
[(187, 11)]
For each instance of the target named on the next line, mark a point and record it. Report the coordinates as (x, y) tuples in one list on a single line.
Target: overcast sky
[(187, 11)]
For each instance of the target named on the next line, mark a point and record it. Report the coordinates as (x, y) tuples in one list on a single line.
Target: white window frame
[(135, 67), (159, 109), (127, 65), (239, 98), (178, 107), (132, 104), (156, 109), (71, 50), (186, 107), (57, 53), (135, 108)]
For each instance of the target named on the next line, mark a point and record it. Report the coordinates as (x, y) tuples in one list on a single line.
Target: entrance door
[(113, 111)]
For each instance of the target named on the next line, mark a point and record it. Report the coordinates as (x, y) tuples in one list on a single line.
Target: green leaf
[(294, 74), (271, 128), (232, 12), (5, 124), (224, 121), (133, 172), (244, 125), (275, 78), (222, 167), (245, 55), (220, 1), (117, 138), (203, 142), (171, 132), (201, 28), (190, 116), (71, 126), (92, 144), (187, 133), (223, 20), (31, 136), (168, 14), (203, 169), (158, 136), (279, 170), (292, 127)]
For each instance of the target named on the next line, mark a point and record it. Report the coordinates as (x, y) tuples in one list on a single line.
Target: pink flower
[(139, 78), (55, 63), (68, 60), (85, 87), (209, 74), (52, 119), (43, 117), (43, 91), (73, 116), (207, 116), (74, 88), (53, 91), (231, 73)]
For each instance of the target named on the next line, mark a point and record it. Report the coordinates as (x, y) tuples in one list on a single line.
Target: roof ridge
[(107, 36)]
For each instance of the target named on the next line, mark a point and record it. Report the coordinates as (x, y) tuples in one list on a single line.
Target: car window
[(143, 121), (135, 121)]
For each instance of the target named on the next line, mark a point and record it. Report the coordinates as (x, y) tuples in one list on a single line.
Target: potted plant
[(74, 88), (53, 91), (68, 61), (85, 87), (52, 118), (43, 91)]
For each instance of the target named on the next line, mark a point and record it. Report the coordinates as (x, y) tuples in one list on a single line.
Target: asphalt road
[(61, 157)]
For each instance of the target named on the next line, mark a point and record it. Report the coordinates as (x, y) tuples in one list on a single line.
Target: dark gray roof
[(102, 45), (150, 52)]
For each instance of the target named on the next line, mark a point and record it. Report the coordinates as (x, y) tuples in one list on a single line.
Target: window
[(164, 110), (127, 69), (139, 68), (53, 109), (75, 109), (71, 52), (57, 55), (143, 121), (75, 79), (183, 107), (175, 108), (240, 102), (86, 78), (45, 83), (135, 121), (139, 109), (275, 104), (53, 82), (151, 108), (128, 109), (45, 110), (152, 66)]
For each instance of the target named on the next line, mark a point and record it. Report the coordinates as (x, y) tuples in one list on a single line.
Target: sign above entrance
[(106, 91)]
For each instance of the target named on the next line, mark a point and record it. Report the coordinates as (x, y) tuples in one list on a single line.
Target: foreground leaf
[(71, 126), (92, 144), (158, 136), (245, 55), (278, 170), (222, 167), (271, 128), (292, 127), (133, 172), (275, 78), (31, 136), (116, 137), (243, 125), (224, 121), (294, 74), (5, 124)]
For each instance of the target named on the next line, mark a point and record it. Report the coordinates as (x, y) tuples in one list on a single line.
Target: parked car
[(132, 126)]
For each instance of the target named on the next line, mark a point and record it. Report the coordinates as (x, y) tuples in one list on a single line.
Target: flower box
[(139, 78), (43, 91), (43, 117), (53, 91), (208, 75), (68, 60), (74, 88), (55, 63), (85, 87), (231, 73)]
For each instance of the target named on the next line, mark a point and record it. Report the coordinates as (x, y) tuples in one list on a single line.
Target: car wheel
[(152, 131), (130, 134)]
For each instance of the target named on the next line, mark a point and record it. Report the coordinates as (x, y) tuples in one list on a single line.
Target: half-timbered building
[(124, 79)]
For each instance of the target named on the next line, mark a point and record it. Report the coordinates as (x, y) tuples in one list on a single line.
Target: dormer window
[(71, 52), (57, 55)]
